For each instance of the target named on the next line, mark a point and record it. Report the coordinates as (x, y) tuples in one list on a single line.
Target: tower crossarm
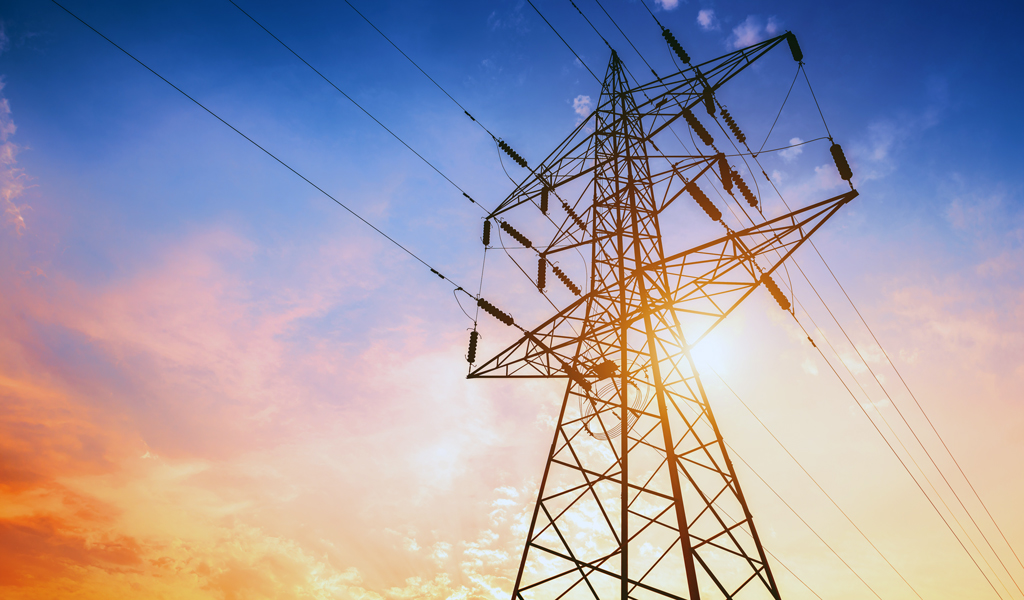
[(661, 101), (706, 283)]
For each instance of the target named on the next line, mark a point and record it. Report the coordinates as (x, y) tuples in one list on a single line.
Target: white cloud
[(583, 105), (13, 180), (707, 20), (667, 4), (790, 153), (752, 31)]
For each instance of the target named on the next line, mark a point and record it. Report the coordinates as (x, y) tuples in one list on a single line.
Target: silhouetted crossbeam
[(706, 283), (661, 103)]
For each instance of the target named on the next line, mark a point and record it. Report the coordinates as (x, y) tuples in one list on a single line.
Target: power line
[(919, 442), (563, 41), (415, 64), (885, 391), (591, 24), (896, 454), (357, 105), (264, 150), (627, 38), (913, 432), (815, 481), (733, 452), (916, 402), (802, 520)]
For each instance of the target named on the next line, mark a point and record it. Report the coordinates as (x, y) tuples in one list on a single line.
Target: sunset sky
[(215, 383)]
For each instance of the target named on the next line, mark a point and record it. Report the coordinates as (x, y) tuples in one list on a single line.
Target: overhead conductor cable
[(272, 155)]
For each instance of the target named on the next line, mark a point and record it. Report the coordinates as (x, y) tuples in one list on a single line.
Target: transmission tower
[(639, 498)]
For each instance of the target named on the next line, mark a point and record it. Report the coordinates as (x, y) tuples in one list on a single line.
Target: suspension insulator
[(494, 312), (726, 172), (794, 47), (751, 198), (576, 376), (487, 232), (704, 202), (709, 100), (565, 279), (776, 293), (516, 235), (844, 167), (697, 127), (544, 200), (674, 44), (508, 150), (569, 211), (736, 133), (474, 337), (542, 273)]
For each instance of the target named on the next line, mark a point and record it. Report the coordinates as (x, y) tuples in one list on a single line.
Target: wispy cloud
[(583, 105), (13, 180), (707, 20), (667, 4), (789, 154), (753, 30)]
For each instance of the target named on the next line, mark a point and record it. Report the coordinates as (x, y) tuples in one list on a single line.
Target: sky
[(217, 383)]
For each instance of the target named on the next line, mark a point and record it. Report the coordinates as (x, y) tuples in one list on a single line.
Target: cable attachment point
[(565, 279), (709, 99), (576, 218), (844, 167), (773, 289), (515, 156), (794, 47), (474, 337), (494, 312), (726, 172), (736, 133), (697, 127), (704, 202), (515, 234), (674, 44), (744, 189)]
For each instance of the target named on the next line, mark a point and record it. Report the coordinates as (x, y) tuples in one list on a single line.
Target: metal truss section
[(700, 286), (639, 497)]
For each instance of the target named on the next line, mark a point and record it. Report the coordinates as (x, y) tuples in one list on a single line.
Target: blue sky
[(179, 296)]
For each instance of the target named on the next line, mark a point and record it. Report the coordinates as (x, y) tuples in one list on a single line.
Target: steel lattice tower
[(639, 498)]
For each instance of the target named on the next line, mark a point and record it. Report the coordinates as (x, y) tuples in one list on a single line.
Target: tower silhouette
[(639, 498)]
